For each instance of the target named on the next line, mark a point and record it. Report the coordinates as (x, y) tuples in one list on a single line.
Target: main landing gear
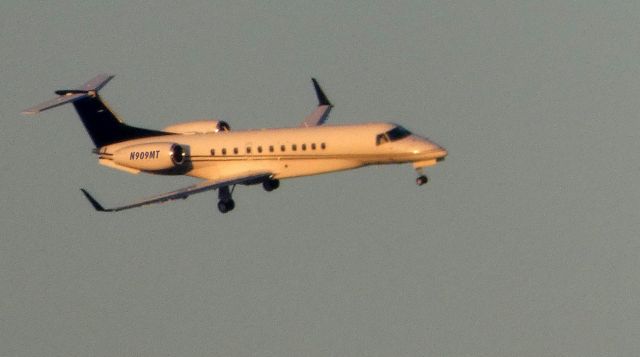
[(225, 202)]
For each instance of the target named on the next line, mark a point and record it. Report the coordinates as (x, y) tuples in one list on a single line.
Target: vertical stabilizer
[(101, 123)]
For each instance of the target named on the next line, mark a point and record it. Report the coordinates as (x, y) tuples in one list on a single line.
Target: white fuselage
[(289, 152)]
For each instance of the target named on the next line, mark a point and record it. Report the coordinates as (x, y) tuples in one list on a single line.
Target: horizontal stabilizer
[(55, 102), (96, 83), (71, 95)]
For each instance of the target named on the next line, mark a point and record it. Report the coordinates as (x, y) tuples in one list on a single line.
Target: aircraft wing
[(321, 113), (183, 193)]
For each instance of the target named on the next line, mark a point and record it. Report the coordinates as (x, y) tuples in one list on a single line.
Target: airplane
[(224, 158)]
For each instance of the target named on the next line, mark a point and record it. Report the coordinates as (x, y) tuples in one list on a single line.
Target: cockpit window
[(381, 139), (398, 133), (394, 134)]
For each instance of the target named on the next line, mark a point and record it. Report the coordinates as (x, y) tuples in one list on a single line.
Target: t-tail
[(101, 123)]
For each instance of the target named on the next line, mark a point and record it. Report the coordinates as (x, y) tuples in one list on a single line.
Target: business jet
[(210, 150)]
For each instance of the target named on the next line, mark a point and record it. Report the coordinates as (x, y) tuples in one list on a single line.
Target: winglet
[(93, 201), (322, 98), (320, 115)]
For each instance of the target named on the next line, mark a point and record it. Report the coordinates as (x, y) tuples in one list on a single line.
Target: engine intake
[(177, 154)]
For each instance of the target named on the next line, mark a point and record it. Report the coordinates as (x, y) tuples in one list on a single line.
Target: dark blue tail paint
[(103, 126)]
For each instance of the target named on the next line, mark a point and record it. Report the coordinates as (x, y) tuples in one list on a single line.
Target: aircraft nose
[(430, 150), (439, 152)]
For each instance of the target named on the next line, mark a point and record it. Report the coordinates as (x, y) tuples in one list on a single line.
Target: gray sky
[(524, 243)]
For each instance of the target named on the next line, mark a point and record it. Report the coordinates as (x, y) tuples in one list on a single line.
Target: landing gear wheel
[(270, 184), (226, 206), (421, 180)]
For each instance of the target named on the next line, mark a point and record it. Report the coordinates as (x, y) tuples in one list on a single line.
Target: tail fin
[(103, 126)]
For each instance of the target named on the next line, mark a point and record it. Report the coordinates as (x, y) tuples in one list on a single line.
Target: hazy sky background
[(524, 243)]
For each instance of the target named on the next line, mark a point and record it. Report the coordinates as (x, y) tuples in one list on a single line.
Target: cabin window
[(248, 149), (213, 152), (270, 148), (260, 149), (283, 148), (224, 151), (323, 146), (235, 151), (313, 146), (294, 147), (304, 147)]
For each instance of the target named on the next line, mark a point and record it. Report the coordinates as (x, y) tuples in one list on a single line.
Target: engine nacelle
[(198, 127), (152, 156)]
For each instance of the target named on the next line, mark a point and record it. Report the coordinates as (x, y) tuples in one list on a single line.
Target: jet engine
[(152, 156), (198, 127)]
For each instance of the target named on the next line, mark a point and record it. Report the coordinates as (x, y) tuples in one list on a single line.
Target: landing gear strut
[(225, 202)]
